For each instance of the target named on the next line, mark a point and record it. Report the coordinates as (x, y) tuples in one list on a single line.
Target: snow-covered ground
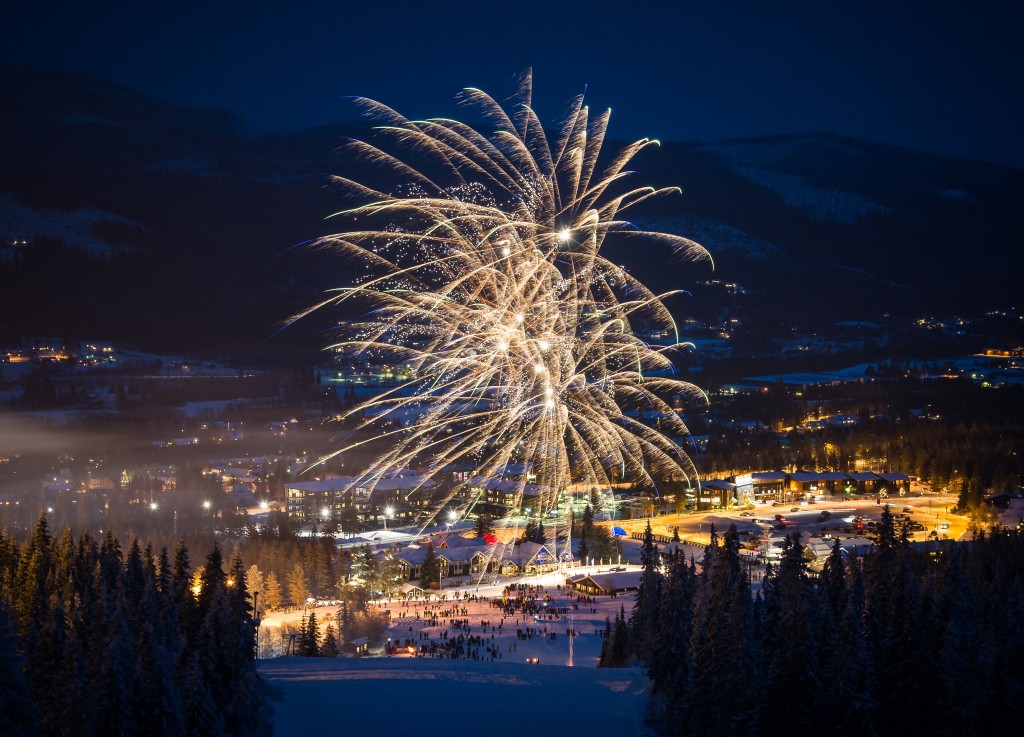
[(414, 620), (402, 696), (502, 693)]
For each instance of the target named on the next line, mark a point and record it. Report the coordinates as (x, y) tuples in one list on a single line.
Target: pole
[(256, 620), (572, 635)]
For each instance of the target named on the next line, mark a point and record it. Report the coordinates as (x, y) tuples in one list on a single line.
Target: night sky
[(937, 76)]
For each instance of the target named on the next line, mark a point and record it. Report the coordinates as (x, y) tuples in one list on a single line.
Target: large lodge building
[(403, 497)]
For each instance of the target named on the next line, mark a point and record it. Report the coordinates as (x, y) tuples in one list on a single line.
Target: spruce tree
[(298, 585), (619, 648), (850, 683), (430, 571), (254, 583), (645, 617), (329, 648), (311, 637), (603, 660), (392, 574), (116, 669), (669, 666), (615, 649), (272, 592), (182, 594), (32, 597), (365, 569), (721, 645), (484, 525), (156, 697), (587, 524), (832, 582), (201, 715), (107, 651), (792, 662)]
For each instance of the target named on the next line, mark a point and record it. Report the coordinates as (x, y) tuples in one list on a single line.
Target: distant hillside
[(175, 228)]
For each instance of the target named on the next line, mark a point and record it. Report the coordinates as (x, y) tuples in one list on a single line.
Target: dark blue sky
[(936, 76)]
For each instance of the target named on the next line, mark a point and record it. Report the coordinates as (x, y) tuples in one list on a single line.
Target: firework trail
[(483, 274)]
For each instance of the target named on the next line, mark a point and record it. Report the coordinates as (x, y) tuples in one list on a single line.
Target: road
[(931, 510)]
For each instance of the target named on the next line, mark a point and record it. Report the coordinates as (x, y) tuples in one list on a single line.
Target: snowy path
[(399, 696)]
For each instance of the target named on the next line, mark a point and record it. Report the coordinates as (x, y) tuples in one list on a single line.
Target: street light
[(388, 511)]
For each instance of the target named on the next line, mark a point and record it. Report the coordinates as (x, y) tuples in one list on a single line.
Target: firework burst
[(482, 272)]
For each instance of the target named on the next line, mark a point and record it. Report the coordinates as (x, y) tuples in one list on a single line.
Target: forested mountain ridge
[(109, 198)]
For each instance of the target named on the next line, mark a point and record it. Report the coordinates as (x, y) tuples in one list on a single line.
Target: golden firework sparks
[(484, 274)]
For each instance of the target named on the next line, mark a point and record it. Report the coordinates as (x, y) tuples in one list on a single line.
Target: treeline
[(902, 641), (951, 434), (96, 641), (292, 569)]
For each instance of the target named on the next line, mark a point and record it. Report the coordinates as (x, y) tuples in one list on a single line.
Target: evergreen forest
[(98, 641), (909, 639)]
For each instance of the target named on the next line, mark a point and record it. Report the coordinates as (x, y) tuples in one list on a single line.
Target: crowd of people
[(446, 626)]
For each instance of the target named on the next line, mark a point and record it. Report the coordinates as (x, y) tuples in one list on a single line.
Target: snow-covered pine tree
[(721, 646), (791, 654), (669, 666), (643, 624)]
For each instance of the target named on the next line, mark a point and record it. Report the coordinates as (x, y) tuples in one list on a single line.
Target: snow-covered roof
[(609, 582), (376, 537), (402, 480), (335, 484), (458, 541), (803, 477), (820, 548), (718, 484), (494, 483)]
